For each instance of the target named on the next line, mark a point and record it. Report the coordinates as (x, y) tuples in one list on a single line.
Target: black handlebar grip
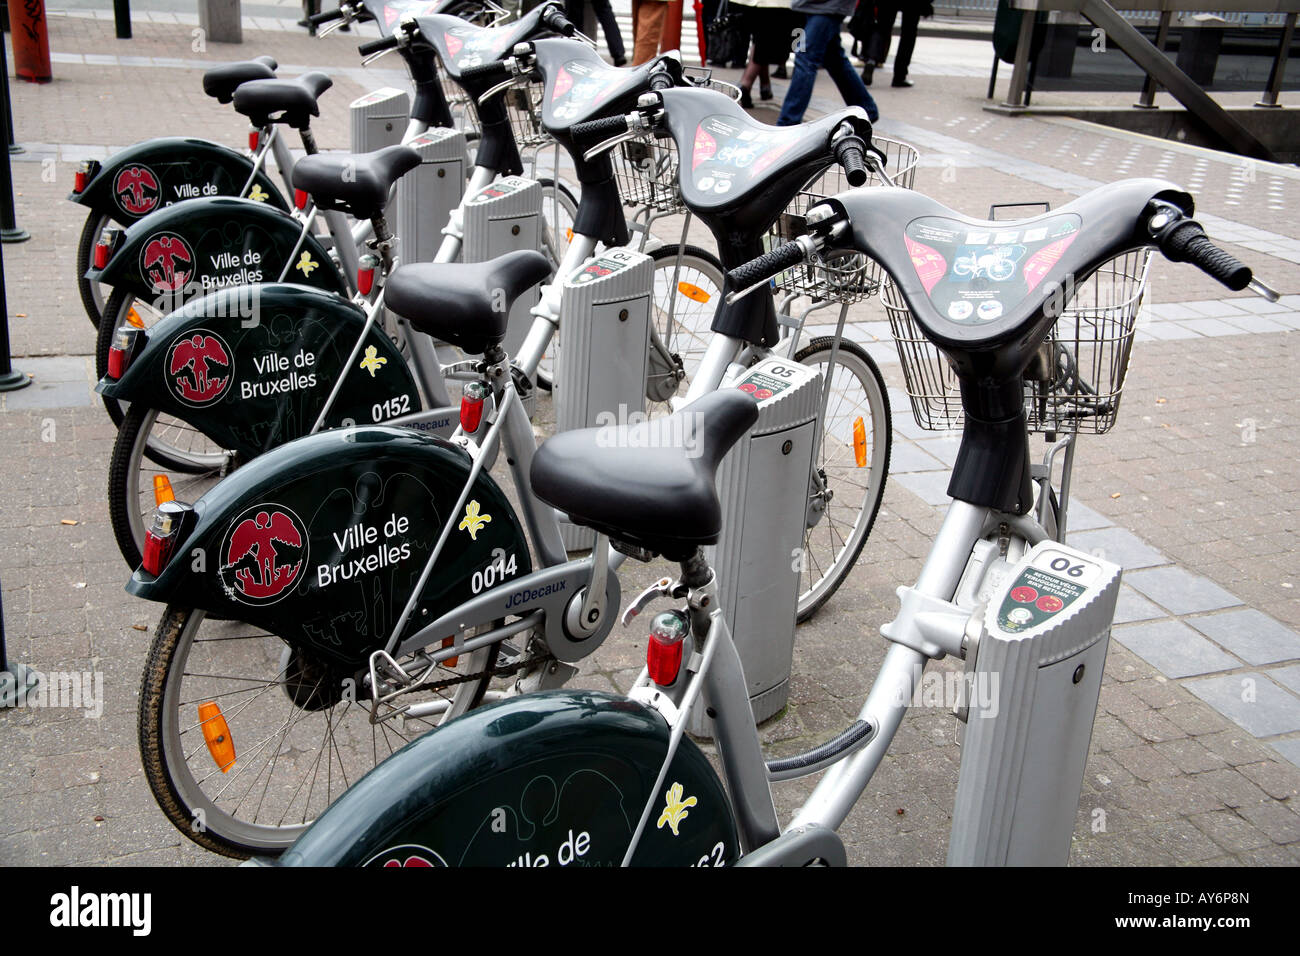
[(374, 46), (486, 71), (1186, 241), (765, 266), (661, 80), (316, 19), (555, 21), (594, 131), (852, 157)]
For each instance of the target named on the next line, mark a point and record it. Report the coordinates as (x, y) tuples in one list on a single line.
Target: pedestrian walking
[(771, 25), (647, 28), (608, 25), (818, 46), (876, 52)]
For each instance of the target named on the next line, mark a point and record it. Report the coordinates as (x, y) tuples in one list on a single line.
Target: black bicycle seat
[(292, 102), (580, 86), (466, 304), (355, 183), (220, 82), (651, 484), (460, 45), (736, 169), (976, 286)]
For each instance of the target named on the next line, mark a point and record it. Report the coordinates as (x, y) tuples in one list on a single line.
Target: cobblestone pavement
[(1197, 741)]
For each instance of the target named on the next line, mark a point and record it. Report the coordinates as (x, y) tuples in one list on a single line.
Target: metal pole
[(9, 231), (1279, 65), (17, 681), (122, 18), (1147, 101), (9, 378), (1020, 72)]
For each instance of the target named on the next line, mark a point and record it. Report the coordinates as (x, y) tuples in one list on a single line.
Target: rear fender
[(322, 541), (158, 173), (251, 367)]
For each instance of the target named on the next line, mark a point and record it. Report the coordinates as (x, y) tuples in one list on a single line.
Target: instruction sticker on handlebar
[(974, 274), (579, 86), (726, 154)]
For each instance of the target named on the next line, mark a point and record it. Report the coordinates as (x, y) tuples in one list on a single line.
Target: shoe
[(903, 82), (620, 61), (746, 100), (868, 72), (765, 92), (780, 74)]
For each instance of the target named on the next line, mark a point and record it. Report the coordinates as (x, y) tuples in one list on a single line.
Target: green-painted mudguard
[(322, 540), (251, 367), (558, 778), (208, 244), (158, 173)]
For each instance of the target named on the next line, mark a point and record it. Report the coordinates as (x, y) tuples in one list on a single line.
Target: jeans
[(821, 45)]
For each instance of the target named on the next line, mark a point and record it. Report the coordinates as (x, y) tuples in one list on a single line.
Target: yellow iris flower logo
[(306, 263), (676, 810), (373, 361), (258, 193), (473, 522)]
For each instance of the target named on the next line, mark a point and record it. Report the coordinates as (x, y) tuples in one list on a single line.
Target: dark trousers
[(878, 50), (608, 24)]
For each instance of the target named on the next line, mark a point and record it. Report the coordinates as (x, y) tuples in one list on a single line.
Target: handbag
[(726, 38)]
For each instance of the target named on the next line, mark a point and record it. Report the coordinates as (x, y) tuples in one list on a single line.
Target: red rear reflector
[(159, 540), (253, 138), (300, 198), (79, 181), (663, 653), (471, 406), (119, 353), (101, 255), (365, 280)]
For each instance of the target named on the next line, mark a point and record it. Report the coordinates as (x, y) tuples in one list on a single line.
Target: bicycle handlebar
[(850, 153), (766, 266), (1186, 241), (377, 46), (555, 21), (317, 19), (496, 69), (594, 131)]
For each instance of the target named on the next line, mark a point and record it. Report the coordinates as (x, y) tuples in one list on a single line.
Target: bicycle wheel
[(559, 210), (92, 293), (844, 496), (687, 289), (244, 743), (131, 498)]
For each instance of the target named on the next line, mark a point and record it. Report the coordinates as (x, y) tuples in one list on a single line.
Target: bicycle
[(533, 777)]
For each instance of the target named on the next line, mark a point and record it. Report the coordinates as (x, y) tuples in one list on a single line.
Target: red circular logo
[(167, 263), (200, 367), (136, 190), (264, 554), (1050, 603), (1023, 595), (409, 854)]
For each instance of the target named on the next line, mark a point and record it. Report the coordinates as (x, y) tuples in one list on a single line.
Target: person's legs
[(847, 80), (818, 31), (878, 48), (609, 26), (648, 27), (906, 43)]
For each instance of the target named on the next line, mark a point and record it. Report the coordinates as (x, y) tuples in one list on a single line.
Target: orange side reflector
[(693, 292), (133, 317), (860, 442), (451, 661), (162, 490), (568, 234), (216, 733)]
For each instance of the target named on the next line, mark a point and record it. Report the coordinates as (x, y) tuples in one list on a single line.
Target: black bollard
[(10, 380), (9, 231), (122, 18), (17, 681)]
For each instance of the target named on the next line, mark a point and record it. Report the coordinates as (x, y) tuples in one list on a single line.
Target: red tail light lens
[(85, 173), (300, 198), (79, 181), (366, 274), (160, 540), (121, 351), (471, 406), (254, 137), (663, 655)]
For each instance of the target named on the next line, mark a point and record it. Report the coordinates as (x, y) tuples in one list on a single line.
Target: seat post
[(308, 140)]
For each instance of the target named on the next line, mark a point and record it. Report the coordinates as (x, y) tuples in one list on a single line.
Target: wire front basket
[(524, 110), (464, 113), (846, 278), (1076, 381)]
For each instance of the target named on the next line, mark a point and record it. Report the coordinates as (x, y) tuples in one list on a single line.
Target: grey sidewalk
[(1195, 491)]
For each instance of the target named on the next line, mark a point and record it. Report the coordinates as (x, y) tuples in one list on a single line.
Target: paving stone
[(1290, 749), (1279, 822), (1278, 779), (1287, 676), (1229, 830), (1132, 607), (1189, 756), (1180, 591), (1252, 635), (1174, 648), (1251, 700), (1079, 517), (1119, 546), (1145, 763)]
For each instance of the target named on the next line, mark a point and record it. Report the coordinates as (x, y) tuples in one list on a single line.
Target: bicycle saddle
[(358, 184), (737, 173), (580, 86), (466, 304), (983, 291), (220, 82), (460, 45), (293, 100), (650, 484)]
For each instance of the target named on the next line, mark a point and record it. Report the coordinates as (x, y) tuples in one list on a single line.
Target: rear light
[(122, 351), (216, 734), (663, 653), (85, 173), (104, 248), (300, 198), (254, 138), (366, 274), (164, 533), (471, 406), (860, 442)]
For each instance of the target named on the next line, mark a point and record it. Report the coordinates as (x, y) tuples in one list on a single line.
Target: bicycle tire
[(92, 294), (818, 580), (683, 317), (170, 771), (130, 492)]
